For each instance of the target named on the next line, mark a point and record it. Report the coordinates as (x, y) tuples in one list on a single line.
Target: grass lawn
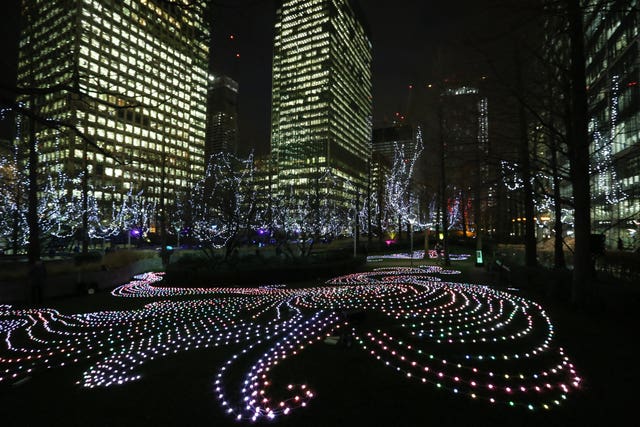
[(350, 387)]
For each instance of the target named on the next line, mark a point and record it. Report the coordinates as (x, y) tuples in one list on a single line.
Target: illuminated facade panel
[(321, 97), (612, 45), (131, 76)]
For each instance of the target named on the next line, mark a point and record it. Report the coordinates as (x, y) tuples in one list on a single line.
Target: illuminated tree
[(400, 202), (223, 203), (305, 218), (13, 221), (132, 215), (57, 209)]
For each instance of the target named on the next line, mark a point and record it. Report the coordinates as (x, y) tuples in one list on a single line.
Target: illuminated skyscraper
[(321, 117), (129, 80), (222, 116)]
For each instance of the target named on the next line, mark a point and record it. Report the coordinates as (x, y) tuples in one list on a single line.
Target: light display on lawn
[(468, 340), (419, 254)]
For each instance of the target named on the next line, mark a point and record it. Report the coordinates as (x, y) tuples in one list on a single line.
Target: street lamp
[(352, 221), (412, 219)]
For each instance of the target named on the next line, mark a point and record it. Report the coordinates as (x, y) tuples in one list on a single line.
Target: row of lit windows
[(161, 82), (302, 44), (45, 60), (140, 170), (130, 40), (107, 126), (129, 15), (57, 19)]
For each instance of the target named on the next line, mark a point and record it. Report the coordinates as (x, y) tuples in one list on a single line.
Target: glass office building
[(222, 115), (321, 98), (128, 79), (613, 75)]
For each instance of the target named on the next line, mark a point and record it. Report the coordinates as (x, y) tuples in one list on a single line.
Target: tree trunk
[(582, 284), (464, 214), (85, 201), (15, 233), (558, 245), (33, 251), (369, 203), (529, 225), (356, 222), (443, 185)]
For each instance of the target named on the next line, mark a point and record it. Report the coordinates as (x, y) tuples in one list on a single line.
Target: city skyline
[(405, 40)]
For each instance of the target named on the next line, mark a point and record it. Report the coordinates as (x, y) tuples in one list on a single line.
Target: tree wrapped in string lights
[(132, 215), (305, 218), (223, 203), (369, 210), (399, 200), (13, 220), (295, 219), (57, 208), (179, 215), (608, 189)]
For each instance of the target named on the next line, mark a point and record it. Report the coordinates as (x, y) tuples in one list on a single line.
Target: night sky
[(406, 35)]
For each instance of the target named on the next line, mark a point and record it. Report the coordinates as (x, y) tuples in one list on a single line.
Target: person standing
[(620, 244)]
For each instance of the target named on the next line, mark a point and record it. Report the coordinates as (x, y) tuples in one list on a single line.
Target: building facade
[(386, 139), (612, 47), (463, 147), (222, 116), (321, 98), (127, 79)]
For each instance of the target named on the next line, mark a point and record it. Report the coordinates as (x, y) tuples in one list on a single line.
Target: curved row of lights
[(467, 339)]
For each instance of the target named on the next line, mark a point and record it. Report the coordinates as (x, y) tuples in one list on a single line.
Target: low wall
[(77, 283)]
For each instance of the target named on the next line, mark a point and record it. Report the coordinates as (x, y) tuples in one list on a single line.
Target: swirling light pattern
[(466, 339), (419, 254)]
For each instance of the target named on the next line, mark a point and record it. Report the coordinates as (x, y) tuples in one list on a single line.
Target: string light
[(468, 340), (222, 201)]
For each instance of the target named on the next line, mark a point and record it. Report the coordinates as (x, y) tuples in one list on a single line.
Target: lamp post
[(443, 185), (355, 236), (411, 218), (352, 223)]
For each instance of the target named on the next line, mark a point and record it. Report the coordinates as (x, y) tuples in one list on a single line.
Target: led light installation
[(465, 339), (416, 255)]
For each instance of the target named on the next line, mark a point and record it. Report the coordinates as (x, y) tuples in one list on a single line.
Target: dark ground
[(352, 389)]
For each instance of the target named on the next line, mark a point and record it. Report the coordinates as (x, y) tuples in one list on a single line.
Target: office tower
[(321, 98), (386, 139), (612, 57), (127, 79), (222, 116), (458, 147)]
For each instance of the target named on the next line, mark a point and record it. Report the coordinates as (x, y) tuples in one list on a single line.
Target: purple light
[(135, 232)]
